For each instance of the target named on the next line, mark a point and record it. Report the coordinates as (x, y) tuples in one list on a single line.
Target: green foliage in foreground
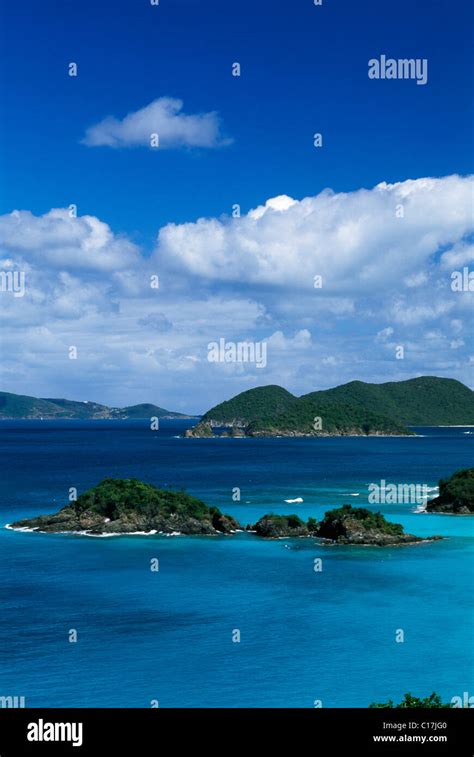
[(431, 702), (115, 497)]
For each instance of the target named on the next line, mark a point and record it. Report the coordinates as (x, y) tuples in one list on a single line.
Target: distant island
[(456, 494), (130, 506), (355, 409), (23, 407)]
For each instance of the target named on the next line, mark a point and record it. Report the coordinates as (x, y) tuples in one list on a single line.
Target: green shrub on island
[(114, 497), (334, 521), (274, 526), (313, 525)]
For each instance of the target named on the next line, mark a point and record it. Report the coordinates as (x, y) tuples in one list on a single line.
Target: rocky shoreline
[(206, 430)]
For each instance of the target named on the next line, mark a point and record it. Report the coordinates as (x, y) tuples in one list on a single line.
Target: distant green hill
[(22, 406), (354, 408), (302, 418), (78, 410), (17, 406), (424, 401), (254, 404), (145, 410)]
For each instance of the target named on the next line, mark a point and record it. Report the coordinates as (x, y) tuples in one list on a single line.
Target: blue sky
[(228, 140)]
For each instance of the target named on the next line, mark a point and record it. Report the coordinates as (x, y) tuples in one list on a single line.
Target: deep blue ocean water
[(167, 636)]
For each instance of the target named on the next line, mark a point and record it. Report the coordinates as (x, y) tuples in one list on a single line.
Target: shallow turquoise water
[(167, 636)]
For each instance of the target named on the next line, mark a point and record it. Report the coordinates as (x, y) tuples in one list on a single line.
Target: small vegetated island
[(353, 409), (456, 494), (129, 506), (344, 525)]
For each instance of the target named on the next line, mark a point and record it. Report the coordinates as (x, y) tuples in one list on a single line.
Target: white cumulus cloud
[(355, 240), (163, 117), (386, 282), (59, 239)]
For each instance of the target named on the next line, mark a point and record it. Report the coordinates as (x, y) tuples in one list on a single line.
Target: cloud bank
[(356, 240), (386, 282)]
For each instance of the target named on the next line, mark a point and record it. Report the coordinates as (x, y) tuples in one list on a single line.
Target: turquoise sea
[(167, 635)]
